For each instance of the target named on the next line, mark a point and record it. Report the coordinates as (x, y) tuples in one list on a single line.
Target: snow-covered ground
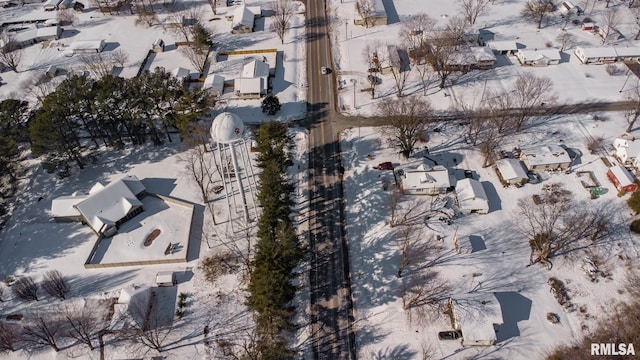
[(573, 82), (498, 265)]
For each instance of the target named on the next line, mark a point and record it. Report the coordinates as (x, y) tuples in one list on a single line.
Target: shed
[(87, 46), (166, 278), (214, 84), (602, 54), (512, 171), (568, 8), (539, 57), (158, 46), (504, 47), (478, 315), (588, 26), (243, 18), (180, 73), (425, 180), (622, 178), (471, 196), (548, 157)]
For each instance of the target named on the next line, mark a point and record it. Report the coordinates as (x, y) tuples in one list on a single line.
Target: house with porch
[(425, 180), (547, 157)]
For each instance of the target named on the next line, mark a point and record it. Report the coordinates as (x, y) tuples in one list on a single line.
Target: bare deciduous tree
[(566, 40), (54, 284), (25, 288), (100, 64), (408, 118), (370, 56), (67, 16), (10, 336), (282, 13), (609, 21), (147, 326), (471, 9), (537, 10), (119, 57), (10, 53), (398, 65), (634, 113), (423, 289), (83, 324), (197, 57), (556, 224), (43, 329), (415, 29), (412, 247), (419, 60), (530, 92)]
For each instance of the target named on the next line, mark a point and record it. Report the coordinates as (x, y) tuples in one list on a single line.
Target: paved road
[(331, 302)]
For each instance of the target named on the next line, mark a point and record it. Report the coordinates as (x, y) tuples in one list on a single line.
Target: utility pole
[(354, 82)]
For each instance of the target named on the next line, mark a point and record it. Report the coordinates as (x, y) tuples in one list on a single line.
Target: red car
[(385, 166)]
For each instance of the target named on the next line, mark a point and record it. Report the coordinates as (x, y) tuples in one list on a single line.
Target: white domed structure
[(227, 128)]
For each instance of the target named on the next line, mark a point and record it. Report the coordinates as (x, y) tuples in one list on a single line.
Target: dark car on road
[(449, 335), (385, 166)]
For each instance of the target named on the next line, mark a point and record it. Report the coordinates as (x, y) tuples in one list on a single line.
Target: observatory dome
[(227, 128)]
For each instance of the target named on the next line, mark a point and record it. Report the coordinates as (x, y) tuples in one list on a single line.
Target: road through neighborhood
[(331, 303)]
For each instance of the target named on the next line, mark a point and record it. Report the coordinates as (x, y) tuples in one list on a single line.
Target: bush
[(635, 226), (612, 69), (217, 265), (634, 202)]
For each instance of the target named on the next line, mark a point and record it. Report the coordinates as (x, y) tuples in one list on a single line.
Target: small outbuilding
[(214, 84), (243, 18), (512, 171), (471, 196), (158, 46), (588, 26), (478, 315), (87, 46), (622, 178), (377, 14), (166, 278)]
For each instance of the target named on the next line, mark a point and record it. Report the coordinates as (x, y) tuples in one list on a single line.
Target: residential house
[(130, 308), (627, 150), (243, 18), (104, 208), (548, 157), (37, 33), (374, 14), (622, 178), (484, 59), (478, 315), (512, 171), (425, 180), (253, 81), (598, 55), (505, 47), (627, 53), (471, 196), (539, 57)]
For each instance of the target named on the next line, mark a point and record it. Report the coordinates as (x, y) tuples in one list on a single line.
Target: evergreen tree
[(634, 202), (270, 104)]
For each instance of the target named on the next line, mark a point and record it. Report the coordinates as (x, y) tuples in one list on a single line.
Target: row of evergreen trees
[(278, 250), (83, 114)]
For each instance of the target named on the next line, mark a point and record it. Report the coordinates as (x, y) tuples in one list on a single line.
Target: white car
[(324, 70)]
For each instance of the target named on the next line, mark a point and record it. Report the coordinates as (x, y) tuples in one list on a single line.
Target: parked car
[(468, 174), (324, 70), (534, 178), (385, 166), (450, 335)]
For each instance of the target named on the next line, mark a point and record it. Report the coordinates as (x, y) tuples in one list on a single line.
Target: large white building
[(104, 208)]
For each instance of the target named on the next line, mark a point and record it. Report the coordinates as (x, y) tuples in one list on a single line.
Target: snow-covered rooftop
[(476, 313), (471, 195), (625, 178), (547, 154), (511, 169)]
